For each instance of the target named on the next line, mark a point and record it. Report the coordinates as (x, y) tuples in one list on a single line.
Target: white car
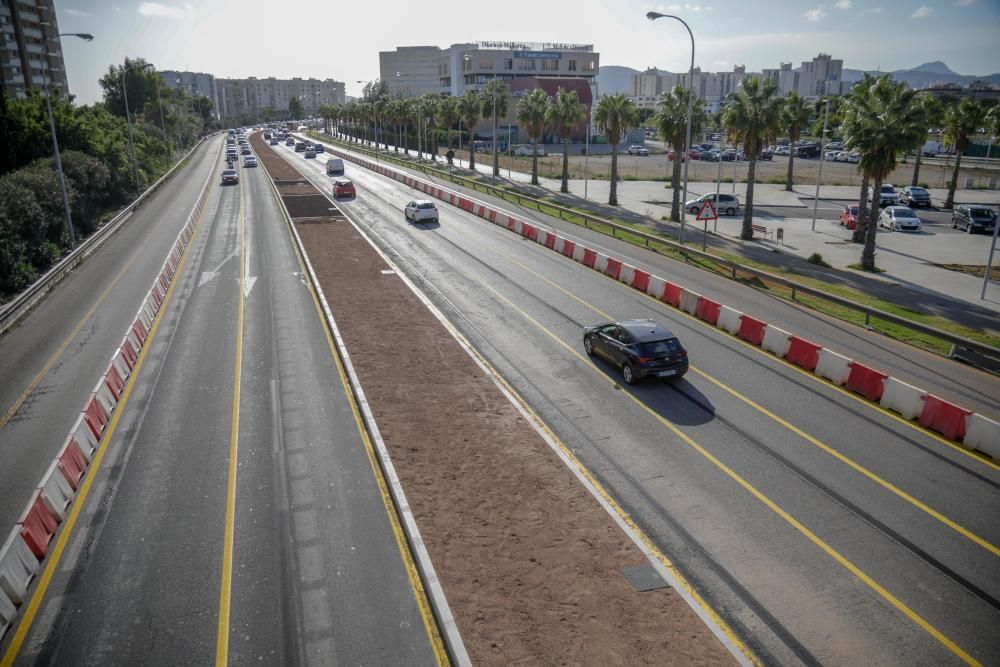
[(421, 210), (250, 161), (524, 150), (841, 156), (853, 158), (635, 149), (782, 150), (888, 195), (831, 156), (899, 219)]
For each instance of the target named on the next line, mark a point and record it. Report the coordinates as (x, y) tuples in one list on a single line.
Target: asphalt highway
[(824, 529), (237, 516)]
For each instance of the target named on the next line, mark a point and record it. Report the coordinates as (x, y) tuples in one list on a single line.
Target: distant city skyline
[(263, 39)]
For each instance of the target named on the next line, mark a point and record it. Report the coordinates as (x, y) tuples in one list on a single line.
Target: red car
[(342, 187), (849, 217), (693, 154)]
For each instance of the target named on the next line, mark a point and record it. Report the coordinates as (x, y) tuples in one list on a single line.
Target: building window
[(589, 66), (550, 65), (485, 63), (572, 66), (508, 64)]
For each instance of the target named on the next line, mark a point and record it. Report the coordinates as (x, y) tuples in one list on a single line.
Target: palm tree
[(563, 114), (670, 121), (379, 106), (960, 122), (992, 119), (448, 114), (614, 115), (531, 114), (429, 103), (469, 106), (795, 118), (880, 123), (753, 119), (498, 92), (932, 113)]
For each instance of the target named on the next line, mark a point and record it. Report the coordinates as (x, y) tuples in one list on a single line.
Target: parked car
[(849, 216), (729, 155), (899, 218), (693, 154), (273, 142), (841, 156), (711, 155), (343, 187), (421, 210), (974, 219), (230, 177), (914, 196), (727, 204), (830, 156), (638, 150), (766, 155), (782, 150), (853, 158), (888, 195), (640, 348), (807, 151), (250, 161), (524, 150), (931, 148), (310, 152), (835, 146)]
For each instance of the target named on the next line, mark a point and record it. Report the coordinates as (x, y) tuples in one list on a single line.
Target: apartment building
[(259, 96), (195, 84), (713, 87), (30, 49)]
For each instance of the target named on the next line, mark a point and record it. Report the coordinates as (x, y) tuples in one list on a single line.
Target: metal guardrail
[(958, 343), (11, 312)]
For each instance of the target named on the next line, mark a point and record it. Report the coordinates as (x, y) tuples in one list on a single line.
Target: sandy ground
[(529, 562)]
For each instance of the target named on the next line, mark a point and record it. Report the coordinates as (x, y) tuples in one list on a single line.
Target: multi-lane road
[(237, 511)]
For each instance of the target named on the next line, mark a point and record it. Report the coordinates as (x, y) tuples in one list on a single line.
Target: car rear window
[(905, 213), (659, 348), (888, 188), (425, 205)]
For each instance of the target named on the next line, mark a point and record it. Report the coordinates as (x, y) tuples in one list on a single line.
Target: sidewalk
[(908, 277)]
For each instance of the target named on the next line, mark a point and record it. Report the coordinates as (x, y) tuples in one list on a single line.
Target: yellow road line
[(226, 584), (35, 381), (419, 594), (843, 458), (815, 539), (52, 564)]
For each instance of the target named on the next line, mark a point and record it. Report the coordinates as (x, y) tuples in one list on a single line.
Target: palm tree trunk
[(472, 153), (747, 232), (675, 182), (950, 201), (916, 167), (791, 161), (613, 195), (565, 175), (859, 229), (868, 254), (534, 161)]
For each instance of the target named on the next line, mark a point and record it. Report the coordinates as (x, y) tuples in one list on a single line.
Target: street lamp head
[(652, 16), (85, 36)]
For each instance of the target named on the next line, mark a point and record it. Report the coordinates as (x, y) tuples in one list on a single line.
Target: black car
[(974, 219), (640, 348), (914, 196), (300, 147), (766, 155)]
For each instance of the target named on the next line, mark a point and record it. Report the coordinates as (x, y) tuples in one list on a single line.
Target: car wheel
[(953, 225), (968, 229), (588, 346), (693, 210), (627, 373), (730, 211)]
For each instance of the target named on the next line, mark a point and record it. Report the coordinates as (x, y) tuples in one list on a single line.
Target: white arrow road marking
[(208, 275), (248, 280), (248, 285)]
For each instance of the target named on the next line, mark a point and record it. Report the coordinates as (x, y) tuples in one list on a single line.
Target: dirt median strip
[(529, 561)]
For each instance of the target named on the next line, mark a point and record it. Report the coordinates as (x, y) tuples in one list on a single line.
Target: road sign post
[(706, 213)]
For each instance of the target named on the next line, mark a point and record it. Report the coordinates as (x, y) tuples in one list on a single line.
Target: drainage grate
[(644, 578)]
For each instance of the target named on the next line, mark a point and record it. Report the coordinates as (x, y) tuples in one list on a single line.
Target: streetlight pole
[(159, 103), (822, 159), (55, 142), (652, 16), (128, 120), (496, 167), (590, 128)]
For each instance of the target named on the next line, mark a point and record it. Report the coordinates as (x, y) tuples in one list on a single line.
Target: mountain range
[(614, 79)]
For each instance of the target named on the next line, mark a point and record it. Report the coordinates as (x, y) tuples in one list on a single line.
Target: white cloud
[(676, 8), (815, 14), (843, 4), (76, 12), (922, 12), (165, 11)]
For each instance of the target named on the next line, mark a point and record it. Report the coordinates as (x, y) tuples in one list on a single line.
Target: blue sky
[(340, 39)]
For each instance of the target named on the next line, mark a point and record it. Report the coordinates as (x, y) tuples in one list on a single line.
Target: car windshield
[(985, 213), (659, 348), (905, 213), (918, 191), (229, 172), (888, 188)]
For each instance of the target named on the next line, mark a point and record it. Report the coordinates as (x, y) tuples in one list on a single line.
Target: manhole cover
[(644, 578)]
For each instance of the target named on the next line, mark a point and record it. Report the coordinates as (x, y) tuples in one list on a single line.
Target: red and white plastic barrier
[(951, 421), (28, 543)]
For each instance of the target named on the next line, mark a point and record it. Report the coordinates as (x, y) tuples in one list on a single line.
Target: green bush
[(817, 259)]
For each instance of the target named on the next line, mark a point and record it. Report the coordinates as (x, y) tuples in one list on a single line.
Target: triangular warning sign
[(707, 211)]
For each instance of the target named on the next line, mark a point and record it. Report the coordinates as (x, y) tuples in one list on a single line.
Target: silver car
[(421, 210), (899, 219)]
